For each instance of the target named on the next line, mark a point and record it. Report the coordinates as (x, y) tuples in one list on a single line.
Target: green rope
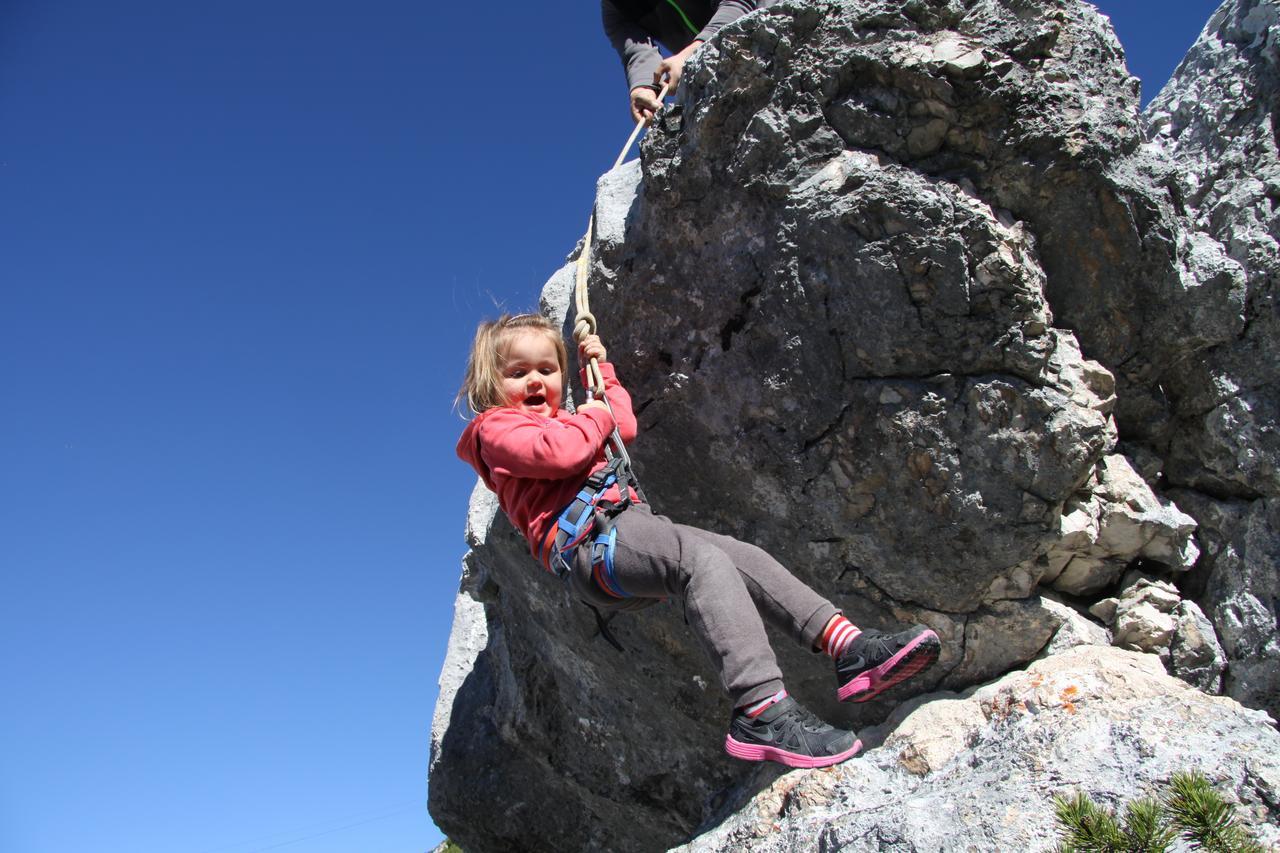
[(692, 29)]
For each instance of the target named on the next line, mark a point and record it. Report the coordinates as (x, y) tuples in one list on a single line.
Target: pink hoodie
[(536, 465)]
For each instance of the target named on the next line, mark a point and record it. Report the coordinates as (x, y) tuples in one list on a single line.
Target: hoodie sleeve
[(635, 47), (726, 13), (515, 444)]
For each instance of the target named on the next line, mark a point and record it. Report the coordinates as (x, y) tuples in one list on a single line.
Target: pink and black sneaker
[(876, 661), (789, 734)]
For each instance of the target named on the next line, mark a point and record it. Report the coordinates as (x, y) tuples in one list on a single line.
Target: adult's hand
[(644, 104), (670, 69)]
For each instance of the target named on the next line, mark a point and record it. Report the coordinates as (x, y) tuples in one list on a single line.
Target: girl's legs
[(866, 664), (655, 558), (711, 574), (784, 600)]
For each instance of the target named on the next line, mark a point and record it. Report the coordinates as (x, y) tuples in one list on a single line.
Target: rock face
[(904, 295), (1216, 125), (978, 771)]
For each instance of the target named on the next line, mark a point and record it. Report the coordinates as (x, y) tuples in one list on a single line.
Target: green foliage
[(1090, 828), (1189, 808), (1146, 827), (449, 847), (1204, 817)]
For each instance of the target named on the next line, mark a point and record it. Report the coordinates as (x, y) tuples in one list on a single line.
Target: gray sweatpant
[(725, 587)]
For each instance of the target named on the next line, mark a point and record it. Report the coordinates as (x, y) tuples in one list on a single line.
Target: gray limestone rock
[(979, 770), (1197, 657), (1214, 123), (1144, 620), (1138, 588), (1151, 616), (1105, 610), (1076, 629), (1240, 574), (1114, 520), (1002, 636), (863, 354), (889, 285), (1142, 627)]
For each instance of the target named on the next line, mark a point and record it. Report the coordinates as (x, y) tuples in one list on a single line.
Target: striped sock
[(837, 636), (754, 710)]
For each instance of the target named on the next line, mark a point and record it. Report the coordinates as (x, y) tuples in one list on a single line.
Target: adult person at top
[(681, 26)]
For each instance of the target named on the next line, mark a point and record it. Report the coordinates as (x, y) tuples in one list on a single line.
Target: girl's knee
[(703, 562)]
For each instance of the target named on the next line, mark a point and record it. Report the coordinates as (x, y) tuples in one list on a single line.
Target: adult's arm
[(727, 12), (635, 47)]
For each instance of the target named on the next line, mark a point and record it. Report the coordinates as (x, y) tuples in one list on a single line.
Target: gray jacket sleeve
[(726, 13), (639, 54), (638, 48)]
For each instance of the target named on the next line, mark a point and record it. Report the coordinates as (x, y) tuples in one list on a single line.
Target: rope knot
[(584, 324)]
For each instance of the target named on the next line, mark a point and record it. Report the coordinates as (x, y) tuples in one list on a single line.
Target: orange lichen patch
[(1067, 696), (1037, 680)]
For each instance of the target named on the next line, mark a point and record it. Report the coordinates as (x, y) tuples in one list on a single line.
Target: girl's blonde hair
[(482, 386)]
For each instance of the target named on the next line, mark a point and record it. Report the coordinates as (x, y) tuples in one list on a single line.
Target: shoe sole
[(756, 752), (913, 658)]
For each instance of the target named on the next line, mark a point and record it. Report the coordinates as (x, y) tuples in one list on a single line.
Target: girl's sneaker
[(787, 733), (875, 661)]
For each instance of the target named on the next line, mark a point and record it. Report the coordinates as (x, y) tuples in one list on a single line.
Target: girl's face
[(531, 378)]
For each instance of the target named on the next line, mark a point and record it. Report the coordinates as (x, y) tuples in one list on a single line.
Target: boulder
[(979, 770), (1108, 525), (1197, 656), (1076, 629)]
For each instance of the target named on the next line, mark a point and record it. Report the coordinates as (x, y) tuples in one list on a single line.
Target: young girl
[(536, 457)]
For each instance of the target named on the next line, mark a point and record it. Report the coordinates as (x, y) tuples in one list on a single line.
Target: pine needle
[(1205, 818)]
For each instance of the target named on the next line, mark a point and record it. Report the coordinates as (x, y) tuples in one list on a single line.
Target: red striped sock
[(754, 710), (837, 636)]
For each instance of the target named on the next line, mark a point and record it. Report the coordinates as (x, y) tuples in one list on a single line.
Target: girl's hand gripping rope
[(591, 349)]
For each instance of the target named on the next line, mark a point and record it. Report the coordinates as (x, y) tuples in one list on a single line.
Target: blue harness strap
[(606, 542), (583, 516)]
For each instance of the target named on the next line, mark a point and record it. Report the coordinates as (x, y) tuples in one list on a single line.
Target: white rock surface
[(978, 770)]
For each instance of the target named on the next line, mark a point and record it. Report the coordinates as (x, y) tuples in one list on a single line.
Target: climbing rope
[(584, 323)]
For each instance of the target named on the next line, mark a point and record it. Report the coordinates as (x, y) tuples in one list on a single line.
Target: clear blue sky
[(242, 250)]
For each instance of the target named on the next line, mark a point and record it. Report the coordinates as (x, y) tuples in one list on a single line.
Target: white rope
[(584, 322)]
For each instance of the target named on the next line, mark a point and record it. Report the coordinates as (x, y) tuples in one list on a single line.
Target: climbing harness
[(585, 514), (591, 518), (589, 513)]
